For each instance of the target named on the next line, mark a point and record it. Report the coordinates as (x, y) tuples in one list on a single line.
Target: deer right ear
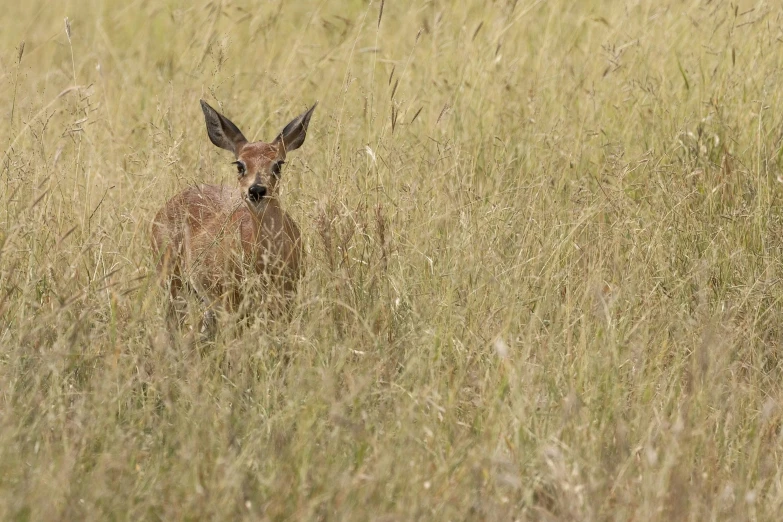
[(222, 132), (294, 133)]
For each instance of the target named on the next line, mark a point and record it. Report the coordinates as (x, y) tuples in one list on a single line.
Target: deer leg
[(169, 278), (173, 317), (207, 326)]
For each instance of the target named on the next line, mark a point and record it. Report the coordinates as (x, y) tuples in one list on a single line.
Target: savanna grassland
[(544, 251)]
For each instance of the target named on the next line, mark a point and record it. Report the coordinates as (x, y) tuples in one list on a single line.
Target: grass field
[(544, 251)]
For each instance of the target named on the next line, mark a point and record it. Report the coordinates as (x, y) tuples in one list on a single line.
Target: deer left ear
[(293, 136)]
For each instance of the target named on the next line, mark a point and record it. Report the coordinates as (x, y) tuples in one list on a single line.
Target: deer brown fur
[(223, 243)]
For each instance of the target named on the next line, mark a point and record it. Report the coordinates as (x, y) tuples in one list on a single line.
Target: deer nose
[(256, 192)]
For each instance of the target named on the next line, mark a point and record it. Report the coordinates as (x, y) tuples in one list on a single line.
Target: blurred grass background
[(543, 262)]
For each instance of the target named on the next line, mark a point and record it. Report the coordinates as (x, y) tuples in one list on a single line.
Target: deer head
[(259, 164)]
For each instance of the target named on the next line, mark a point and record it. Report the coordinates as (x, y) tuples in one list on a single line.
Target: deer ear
[(222, 132), (294, 133)]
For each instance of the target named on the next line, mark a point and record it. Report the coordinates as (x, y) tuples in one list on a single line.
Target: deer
[(226, 245)]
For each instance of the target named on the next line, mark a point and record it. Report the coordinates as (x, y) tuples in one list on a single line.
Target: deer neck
[(263, 221)]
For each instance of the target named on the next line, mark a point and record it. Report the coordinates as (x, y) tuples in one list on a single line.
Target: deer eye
[(241, 169), (276, 167)]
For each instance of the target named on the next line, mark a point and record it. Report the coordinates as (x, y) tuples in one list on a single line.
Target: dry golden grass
[(544, 247)]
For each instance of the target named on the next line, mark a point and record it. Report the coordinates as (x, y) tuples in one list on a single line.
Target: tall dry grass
[(543, 242)]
